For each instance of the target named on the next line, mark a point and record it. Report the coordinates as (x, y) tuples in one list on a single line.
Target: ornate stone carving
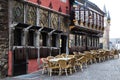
[(43, 18), (18, 12), (31, 15), (54, 20)]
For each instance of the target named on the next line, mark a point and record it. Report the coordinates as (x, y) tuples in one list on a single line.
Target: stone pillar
[(4, 38)]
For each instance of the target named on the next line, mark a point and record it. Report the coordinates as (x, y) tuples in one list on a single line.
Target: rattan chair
[(70, 56), (72, 62), (116, 53), (64, 67), (52, 68), (59, 56), (44, 65), (79, 64), (83, 60), (63, 55), (50, 57)]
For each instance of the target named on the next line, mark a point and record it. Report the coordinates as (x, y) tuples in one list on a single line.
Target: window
[(31, 38), (18, 37), (53, 41), (44, 37)]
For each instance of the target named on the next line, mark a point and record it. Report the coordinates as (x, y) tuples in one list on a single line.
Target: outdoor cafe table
[(57, 59)]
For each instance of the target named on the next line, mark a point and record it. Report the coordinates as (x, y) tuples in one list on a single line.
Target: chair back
[(83, 60), (62, 63), (63, 54), (50, 57), (72, 62), (58, 56)]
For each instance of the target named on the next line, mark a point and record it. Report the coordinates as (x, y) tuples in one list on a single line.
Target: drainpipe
[(38, 46)]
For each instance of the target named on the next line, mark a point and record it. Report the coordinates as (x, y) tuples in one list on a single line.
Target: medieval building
[(33, 29), (87, 26)]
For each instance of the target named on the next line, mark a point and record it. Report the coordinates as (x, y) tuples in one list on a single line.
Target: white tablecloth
[(57, 59)]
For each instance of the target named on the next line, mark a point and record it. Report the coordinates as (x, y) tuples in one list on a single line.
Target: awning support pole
[(38, 34), (49, 34)]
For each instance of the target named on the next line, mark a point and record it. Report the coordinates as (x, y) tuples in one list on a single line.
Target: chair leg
[(60, 71), (66, 72), (95, 60), (74, 69), (85, 65), (99, 60), (81, 68), (70, 71), (50, 72), (43, 70)]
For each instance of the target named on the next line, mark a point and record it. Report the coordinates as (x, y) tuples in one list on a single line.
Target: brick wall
[(4, 37)]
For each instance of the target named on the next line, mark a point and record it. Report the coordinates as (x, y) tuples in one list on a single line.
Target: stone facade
[(4, 37)]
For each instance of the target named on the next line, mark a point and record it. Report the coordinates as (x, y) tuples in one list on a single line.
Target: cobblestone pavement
[(108, 70)]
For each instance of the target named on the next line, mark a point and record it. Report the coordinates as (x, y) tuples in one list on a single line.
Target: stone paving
[(108, 70)]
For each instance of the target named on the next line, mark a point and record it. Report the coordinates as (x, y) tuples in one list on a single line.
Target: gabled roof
[(91, 5)]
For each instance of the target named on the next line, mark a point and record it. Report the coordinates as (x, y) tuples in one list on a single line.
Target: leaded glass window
[(18, 12), (31, 15), (44, 18), (54, 20)]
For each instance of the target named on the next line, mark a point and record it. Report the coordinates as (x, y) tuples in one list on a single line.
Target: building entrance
[(63, 43)]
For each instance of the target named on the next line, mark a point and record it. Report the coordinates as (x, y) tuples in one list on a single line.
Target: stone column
[(4, 38)]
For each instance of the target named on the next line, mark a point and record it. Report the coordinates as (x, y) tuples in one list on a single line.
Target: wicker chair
[(64, 66), (44, 65), (72, 62), (63, 55), (83, 60), (52, 68), (79, 64), (70, 56), (90, 57), (50, 57), (115, 52), (59, 56), (101, 56)]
